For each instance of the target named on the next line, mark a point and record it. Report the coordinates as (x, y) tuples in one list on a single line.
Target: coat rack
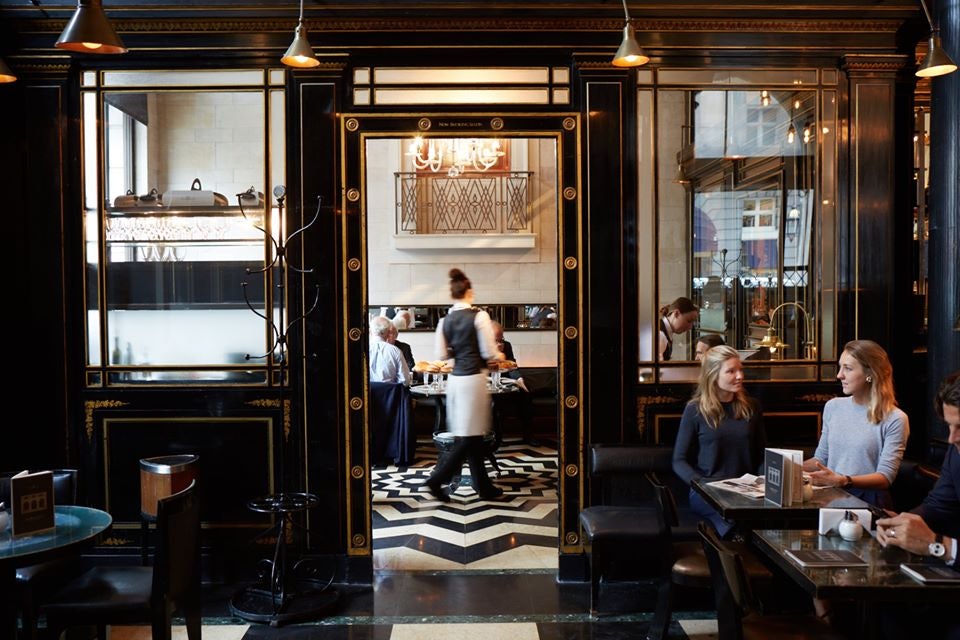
[(280, 598)]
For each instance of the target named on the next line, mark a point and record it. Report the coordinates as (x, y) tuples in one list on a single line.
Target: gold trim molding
[(92, 405), (643, 402)]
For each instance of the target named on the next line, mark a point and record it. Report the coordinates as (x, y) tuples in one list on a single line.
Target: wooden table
[(74, 528), (758, 513)]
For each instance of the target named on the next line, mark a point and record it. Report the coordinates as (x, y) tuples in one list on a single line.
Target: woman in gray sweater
[(721, 433), (864, 434)]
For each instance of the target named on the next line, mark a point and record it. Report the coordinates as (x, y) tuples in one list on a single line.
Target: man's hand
[(907, 531)]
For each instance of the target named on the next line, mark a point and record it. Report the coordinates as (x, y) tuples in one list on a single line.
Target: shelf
[(184, 212)]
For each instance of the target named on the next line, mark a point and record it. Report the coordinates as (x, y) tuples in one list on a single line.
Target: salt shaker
[(849, 527)]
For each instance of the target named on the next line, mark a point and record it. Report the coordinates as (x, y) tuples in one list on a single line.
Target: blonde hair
[(876, 365), (707, 394)]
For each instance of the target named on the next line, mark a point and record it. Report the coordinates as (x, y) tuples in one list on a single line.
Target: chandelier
[(455, 155)]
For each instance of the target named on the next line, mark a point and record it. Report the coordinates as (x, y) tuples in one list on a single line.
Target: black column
[(944, 246)]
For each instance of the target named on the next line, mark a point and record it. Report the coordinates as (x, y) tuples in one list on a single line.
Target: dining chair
[(620, 527), (738, 613), (392, 437), (112, 595), (37, 580)]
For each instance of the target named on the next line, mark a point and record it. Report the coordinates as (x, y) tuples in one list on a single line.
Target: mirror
[(738, 220)]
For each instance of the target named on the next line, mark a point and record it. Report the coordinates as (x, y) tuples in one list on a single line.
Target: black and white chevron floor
[(412, 531)]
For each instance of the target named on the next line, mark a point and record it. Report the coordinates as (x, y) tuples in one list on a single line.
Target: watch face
[(937, 550)]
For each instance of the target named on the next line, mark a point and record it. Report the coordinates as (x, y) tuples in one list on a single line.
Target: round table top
[(73, 526)]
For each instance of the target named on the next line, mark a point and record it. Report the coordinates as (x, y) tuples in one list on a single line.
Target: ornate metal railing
[(473, 202)]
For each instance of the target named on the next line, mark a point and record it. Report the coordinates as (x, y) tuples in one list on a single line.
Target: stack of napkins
[(830, 519)]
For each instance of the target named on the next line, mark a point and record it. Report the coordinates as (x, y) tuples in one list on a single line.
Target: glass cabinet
[(177, 227)]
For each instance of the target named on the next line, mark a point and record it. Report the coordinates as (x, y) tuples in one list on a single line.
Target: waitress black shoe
[(437, 491)]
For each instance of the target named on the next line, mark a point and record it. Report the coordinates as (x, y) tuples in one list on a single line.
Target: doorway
[(420, 216)]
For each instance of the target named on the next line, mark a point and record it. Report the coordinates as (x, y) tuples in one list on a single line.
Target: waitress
[(466, 335)]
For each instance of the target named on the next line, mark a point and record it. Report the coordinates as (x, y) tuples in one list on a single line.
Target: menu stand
[(281, 597)]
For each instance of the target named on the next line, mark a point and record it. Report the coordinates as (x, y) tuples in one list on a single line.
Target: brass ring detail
[(496, 124), (570, 332), (571, 538), (571, 402), (356, 403), (358, 540), (424, 124), (353, 195), (356, 472), (352, 124), (569, 124), (571, 470), (353, 264), (354, 334), (569, 193), (570, 263)]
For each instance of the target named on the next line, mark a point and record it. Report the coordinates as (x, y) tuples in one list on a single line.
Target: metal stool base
[(309, 601)]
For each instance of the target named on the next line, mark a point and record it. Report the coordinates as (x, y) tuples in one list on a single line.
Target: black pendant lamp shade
[(89, 31)]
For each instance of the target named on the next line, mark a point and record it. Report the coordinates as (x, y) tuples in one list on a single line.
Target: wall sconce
[(89, 31), (300, 54), (764, 98), (5, 74), (773, 342), (937, 62), (630, 54), (791, 133)]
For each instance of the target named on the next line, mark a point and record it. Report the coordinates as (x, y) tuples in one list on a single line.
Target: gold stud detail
[(570, 332), (571, 538), (570, 263), (569, 124), (352, 124), (359, 540), (353, 195), (356, 403), (353, 264), (496, 124), (424, 124), (356, 472), (571, 470), (569, 193), (355, 334), (571, 402)]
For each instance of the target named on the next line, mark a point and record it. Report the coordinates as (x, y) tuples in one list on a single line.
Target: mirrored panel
[(738, 221), (182, 218)]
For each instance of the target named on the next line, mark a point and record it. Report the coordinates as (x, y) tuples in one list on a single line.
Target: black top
[(462, 345), (665, 330)]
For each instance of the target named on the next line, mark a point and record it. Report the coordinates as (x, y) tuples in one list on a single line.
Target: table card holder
[(31, 503), (783, 470)]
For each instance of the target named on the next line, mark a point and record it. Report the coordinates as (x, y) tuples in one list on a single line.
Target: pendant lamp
[(630, 54), (937, 62), (5, 74), (300, 53), (89, 31)]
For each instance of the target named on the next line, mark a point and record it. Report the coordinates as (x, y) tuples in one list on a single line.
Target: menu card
[(825, 558), (31, 503), (935, 573), (783, 470)]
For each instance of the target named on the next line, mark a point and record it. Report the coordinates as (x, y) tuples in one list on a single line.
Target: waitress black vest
[(462, 344)]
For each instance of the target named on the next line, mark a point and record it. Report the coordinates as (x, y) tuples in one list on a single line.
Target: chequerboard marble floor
[(412, 531)]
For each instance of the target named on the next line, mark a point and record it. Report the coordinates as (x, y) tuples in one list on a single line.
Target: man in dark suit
[(933, 528)]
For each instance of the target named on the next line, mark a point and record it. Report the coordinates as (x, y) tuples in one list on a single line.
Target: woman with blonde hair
[(864, 434), (721, 432)]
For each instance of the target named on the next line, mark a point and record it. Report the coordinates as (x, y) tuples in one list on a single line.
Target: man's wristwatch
[(936, 548)]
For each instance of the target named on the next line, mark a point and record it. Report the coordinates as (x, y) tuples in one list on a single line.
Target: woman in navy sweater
[(721, 433)]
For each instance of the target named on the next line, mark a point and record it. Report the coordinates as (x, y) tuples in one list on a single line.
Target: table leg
[(8, 607)]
